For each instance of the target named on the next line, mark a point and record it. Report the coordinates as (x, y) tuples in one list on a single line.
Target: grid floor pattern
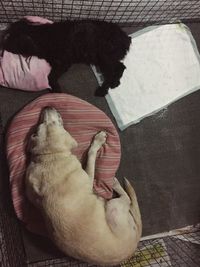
[(176, 251)]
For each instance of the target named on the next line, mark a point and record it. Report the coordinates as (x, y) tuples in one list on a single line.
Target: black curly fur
[(62, 44)]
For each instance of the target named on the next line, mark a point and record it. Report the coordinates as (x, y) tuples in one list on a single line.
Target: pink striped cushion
[(83, 121)]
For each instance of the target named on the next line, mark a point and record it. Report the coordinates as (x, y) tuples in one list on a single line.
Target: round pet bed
[(83, 121)]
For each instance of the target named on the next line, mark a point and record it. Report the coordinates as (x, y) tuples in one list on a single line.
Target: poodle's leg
[(58, 68), (106, 70), (97, 143), (53, 81), (118, 72), (112, 74)]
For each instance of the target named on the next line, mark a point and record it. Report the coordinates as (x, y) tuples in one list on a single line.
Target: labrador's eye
[(34, 135)]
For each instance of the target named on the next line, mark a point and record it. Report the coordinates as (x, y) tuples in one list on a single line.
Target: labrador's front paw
[(99, 139)]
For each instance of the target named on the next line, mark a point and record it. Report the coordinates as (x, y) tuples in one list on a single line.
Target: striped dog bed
[(83, 121)]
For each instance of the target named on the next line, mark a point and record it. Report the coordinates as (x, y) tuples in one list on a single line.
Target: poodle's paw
[(114, 84), (99, 139), (101, 91)]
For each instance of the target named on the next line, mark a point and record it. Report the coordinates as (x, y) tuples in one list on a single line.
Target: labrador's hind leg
[(117, 210), (112, 74), (120, 191), (97, 143)]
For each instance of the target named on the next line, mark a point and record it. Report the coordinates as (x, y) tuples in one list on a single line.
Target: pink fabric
[(18, 72), (29, 74), (83, 121), (38, 20)]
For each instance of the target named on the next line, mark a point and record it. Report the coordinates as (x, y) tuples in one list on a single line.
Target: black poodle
[(62, 44)]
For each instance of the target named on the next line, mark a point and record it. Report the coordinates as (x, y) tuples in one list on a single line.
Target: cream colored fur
[(80, 223)]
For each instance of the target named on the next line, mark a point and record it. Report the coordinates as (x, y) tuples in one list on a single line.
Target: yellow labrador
[(80, 223)]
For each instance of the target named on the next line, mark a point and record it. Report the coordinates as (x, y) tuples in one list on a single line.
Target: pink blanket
[(29, 74)]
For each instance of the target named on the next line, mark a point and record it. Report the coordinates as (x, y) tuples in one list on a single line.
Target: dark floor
[(160, 155)]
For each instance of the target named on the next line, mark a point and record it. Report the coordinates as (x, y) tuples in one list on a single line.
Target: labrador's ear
[(74, 144), (70, 142)]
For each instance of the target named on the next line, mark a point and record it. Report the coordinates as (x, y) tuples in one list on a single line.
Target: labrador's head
[(50, 136)]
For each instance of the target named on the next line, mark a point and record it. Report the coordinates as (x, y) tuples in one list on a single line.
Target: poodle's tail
[(134, 207)]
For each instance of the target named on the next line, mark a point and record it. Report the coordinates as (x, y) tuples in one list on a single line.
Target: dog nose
[(48, 108), (50, 115)]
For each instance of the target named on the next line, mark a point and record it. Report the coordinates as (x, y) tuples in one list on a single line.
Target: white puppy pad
[(163, 65)]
